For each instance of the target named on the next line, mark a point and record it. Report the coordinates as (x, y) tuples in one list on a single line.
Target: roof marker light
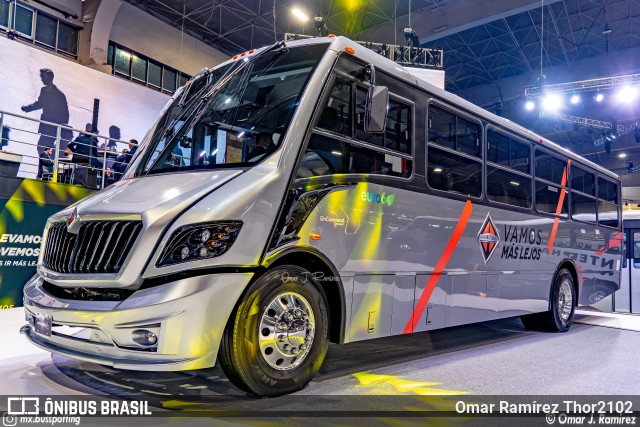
[(251, 51), (350, 50)]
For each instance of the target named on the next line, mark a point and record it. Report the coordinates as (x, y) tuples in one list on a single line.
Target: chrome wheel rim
[(286, 331), (565, 301)]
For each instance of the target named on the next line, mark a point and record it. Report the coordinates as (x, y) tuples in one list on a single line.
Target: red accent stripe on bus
[(554, 230), (439, 268)]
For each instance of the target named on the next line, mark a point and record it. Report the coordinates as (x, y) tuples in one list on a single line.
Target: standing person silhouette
[(54, 108)]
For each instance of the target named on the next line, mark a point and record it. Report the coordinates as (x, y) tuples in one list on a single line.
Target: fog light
[(144, 337)]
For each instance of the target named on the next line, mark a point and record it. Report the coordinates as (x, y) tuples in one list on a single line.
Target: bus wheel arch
[(314, 262), (571, 267), (563, 300)]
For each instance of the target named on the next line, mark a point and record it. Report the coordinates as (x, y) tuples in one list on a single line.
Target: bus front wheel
[(279, 336), (563, 303)]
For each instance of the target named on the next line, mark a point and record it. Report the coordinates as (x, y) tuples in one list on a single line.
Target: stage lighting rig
[(321, 26)]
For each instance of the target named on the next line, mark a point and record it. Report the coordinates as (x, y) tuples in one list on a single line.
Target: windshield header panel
[(234, 116)]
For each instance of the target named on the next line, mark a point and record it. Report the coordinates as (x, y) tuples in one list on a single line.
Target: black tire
[(246, 363), (560, 317)]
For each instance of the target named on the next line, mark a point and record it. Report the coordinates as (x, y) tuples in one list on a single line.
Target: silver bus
[(313, 192)]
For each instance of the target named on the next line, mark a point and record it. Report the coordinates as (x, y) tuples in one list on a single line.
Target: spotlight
[(321, 26), (299, 14), (411, 37), (575, 99), (552, 102), (627, 94), (622, 156), (530, 105), (598, 97)]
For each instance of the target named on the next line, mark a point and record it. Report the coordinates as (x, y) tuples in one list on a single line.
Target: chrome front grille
[(99, 246)]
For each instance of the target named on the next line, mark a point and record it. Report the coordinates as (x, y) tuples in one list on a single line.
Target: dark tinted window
[(583, 208), (328, 156), (442, 127), (468, 137), (451, 172), (139, 68), (336, 115), (448, 130), (24, 20), (547, 198), (155, 74), (46, 30), (123, 61), (549, 168), (583, 181), (68, 38), (608, 215), (398, 133), (607, 191), (169, 80), (110, 50), (508, 152), (507, 187), (4, 13)]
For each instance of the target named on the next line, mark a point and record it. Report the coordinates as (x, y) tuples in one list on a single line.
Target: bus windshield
[(234, 116)]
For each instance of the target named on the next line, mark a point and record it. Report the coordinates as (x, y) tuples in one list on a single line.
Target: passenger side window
[(453, 158), (583, 201), (608, 214), (398, 132), (327, 156), (549, 168), (549, 173), (351, 154), (508, 173), (448, 130)]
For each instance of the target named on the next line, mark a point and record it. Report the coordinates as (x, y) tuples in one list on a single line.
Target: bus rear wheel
[(279, 336), (563, 303)]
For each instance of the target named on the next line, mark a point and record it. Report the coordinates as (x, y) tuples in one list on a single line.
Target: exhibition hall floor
[(497, 357)]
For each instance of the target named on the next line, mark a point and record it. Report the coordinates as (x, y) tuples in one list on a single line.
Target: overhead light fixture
[(575, 99), (299, 14), (552, 102), (598, 97), (529, 105), (622, 155), (627, 94)]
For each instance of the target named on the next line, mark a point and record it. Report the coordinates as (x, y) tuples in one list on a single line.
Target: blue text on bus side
[(378, 198)]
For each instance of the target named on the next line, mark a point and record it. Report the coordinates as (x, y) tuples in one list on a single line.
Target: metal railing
[(28, 137)]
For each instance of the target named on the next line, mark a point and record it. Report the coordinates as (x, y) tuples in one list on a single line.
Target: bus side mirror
[(375, 117)]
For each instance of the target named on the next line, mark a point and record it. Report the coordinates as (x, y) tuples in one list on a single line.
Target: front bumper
[(188, 316)]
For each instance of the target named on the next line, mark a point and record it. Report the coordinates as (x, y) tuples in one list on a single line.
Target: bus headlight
[(200, 241)]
